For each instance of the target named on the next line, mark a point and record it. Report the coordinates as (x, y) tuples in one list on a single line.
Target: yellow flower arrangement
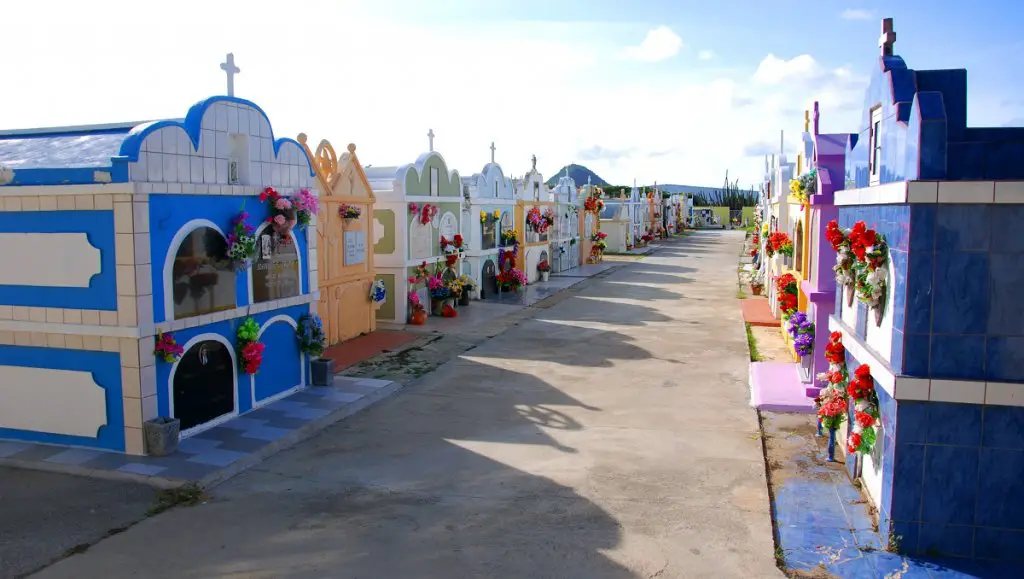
[(497, 213), (483, 216), (796, 187)]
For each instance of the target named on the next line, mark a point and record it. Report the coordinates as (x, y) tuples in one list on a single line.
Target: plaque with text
[(275, 273), (421, 240), (355, 247)]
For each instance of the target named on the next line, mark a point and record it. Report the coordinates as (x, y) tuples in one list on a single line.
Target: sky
[(674, 91)]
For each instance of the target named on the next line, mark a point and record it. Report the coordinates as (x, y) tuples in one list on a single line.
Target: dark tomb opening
[(489, 284), (204, 387)]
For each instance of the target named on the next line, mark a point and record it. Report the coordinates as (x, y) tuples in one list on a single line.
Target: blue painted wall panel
[(169, 213), (280, 359), (99, 226), (106, 371)]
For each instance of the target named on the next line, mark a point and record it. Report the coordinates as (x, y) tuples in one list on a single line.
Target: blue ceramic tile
[(1004, 359), (922, 228), (1007, 233), (143, 469), (905, 536), (896, 358), (946, 540), (920, 274), (966, 417), (912, 422), (916, 355), (950, 485), (958, 357), (74, 456), (217, 457), (811, 538), (907, 482), (268, 433), (962, 228), (1004, 427), (1006, 308), (961, 293), (1002, 544), (1000, 489)]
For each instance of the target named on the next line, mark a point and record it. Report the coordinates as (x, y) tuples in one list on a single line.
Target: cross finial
[(228, 66), (533, 161), (815, 118), (492, 151), (888, 37), (430, 135)]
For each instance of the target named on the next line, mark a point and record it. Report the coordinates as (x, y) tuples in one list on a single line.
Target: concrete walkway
[(606, 436)]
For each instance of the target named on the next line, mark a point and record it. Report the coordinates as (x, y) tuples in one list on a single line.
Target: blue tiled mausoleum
[(947, 355)]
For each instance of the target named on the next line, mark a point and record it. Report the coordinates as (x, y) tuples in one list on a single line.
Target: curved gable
[(204, 121), (416, 176)]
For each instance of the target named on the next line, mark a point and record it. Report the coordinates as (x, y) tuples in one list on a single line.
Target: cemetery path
[(605, 436)]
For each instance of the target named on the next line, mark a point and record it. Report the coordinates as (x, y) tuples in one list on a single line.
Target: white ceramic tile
[(266, 150), (175, 188), (221, 115), (912, 388), (209, 170), (155, 142), (141, 252), (222, 170), (1009, 192), (196, 169), (922, 192), (170, 139), (223, 151), (125, 279), (124, 249), (233, 120), (959, 391), (184, 143), (143, 280), (184, 170), (155, 164), (170, 167), (208, 144), (966, 191), (209, 122)]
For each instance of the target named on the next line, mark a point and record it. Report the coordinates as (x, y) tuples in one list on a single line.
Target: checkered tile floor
[(205, 453)]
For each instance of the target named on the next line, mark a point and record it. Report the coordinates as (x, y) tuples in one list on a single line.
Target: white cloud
[(528, 87), (706, 54), (858, 14), (659, 44)]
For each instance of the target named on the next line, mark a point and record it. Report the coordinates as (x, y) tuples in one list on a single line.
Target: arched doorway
[(488, 285), (204, 384)]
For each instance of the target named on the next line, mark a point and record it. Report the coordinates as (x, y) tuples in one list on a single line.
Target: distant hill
[(579, 174)]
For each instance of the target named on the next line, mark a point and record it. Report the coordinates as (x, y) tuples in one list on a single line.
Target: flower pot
[(321, 371), (436, 307), (544, 275), (464, 299), (418, 318), (755, 289), (161, 436)]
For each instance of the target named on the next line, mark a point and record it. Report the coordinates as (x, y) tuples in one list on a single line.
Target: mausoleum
[(489, 209), (196, 231)]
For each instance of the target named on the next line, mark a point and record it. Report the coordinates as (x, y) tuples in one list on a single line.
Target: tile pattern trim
[(972, 192)]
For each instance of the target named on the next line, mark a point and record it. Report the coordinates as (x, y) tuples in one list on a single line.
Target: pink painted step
[(776, 387)]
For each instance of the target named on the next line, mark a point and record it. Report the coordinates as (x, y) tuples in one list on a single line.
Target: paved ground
[(605, 434), (45, 515)]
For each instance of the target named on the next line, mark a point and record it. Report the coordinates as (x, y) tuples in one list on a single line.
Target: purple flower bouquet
[(801, 330)]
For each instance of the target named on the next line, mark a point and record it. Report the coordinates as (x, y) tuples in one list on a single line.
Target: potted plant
[(161, 435), (283, 216), (439, 294), (417, 313), (349, 212), (378, 293), (312, 342), (545, 269), (756, 284), (468, 286)]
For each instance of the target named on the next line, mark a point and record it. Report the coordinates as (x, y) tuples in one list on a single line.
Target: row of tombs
[(893, 257), (192, 270)]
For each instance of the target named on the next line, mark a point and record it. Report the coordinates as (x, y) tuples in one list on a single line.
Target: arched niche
[(203, 382), (199, 278), (505, 221), (488, 284)]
